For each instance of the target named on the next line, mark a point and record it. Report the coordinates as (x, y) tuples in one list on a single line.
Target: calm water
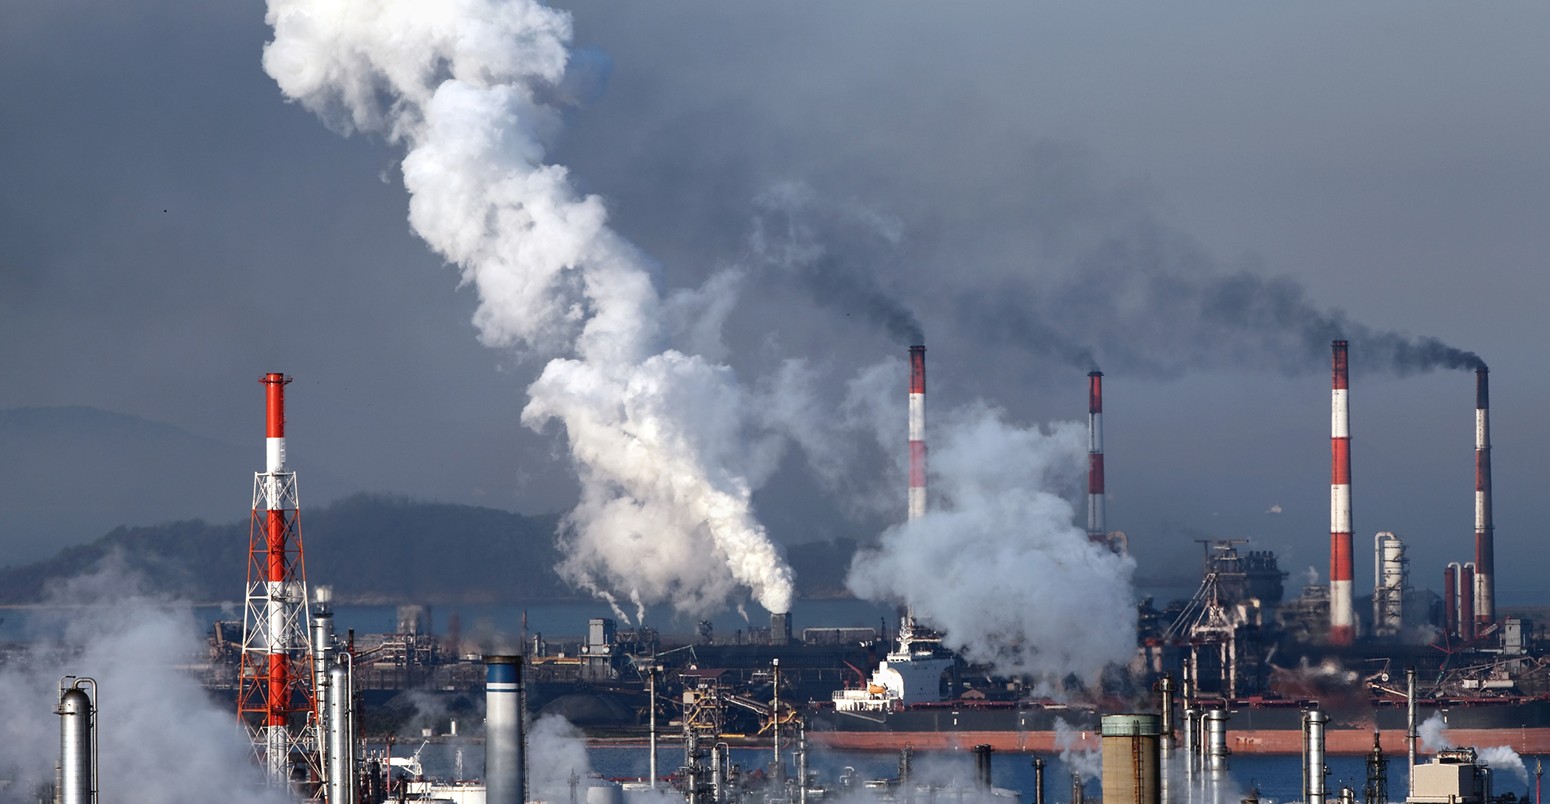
[(1278, 779)]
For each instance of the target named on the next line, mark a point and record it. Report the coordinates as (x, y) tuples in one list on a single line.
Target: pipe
[(1165, 741), (1038, 780), (505, 776), (1342, 627), (982, 766), (1412, 735), (1466, 587), (77, 741), (653, 696), (1191, 742), (1313, 762), (1097, 528), (1450, 598), (322, 659), (802, 761), (1485, 550), (340, 734)]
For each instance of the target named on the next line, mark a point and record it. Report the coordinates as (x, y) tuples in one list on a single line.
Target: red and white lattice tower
[(1342, 613), (1097, 528), (275, 686)]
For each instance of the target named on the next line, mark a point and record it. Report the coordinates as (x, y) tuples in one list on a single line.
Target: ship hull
[(1253, 727)]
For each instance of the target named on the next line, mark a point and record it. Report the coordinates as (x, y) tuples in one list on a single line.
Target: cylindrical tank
[(1131, 767), (1191, 742), (1215, 727), (504, 774), (1313, 766), (77, 742), (599, 792), (341, 746)]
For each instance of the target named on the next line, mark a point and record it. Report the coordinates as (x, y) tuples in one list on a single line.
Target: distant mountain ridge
[(70, 473), (371, 549)]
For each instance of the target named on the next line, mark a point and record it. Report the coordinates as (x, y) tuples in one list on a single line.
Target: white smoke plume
[(1502, 759), (161, 736), (997, 563), (1086, 760), (1434, 733), (556, 750), (665, 442)]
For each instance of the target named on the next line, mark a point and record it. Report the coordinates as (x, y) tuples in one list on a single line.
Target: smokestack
[(1313, 770), (1485, 549), (77, 741), (505, 777), (1097, 529), (917, 490), (1342, 628), (1466, 592), (917, 432), (275, 685), (1450, 598)]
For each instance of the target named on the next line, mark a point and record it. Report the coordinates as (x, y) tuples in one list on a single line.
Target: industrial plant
[(1235, 669)]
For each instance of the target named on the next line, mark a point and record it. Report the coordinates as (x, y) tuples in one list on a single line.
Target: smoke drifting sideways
[(1149, 300), (667, 445), (161, 736), (997, 564), (795, 232)]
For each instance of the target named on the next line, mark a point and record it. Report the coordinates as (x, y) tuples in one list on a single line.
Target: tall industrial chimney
[(1342, 628), (1097, 529), (505, 776), (275, 685), (1485, 550), (917, 488), (917, 499)]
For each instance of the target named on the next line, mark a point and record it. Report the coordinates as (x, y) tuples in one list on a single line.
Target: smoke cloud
[(996, 563), (161, 736), (664, 442), (836, 252), (1502, 759), (1144, 298)]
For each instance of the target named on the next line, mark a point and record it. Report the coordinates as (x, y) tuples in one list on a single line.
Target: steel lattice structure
[(275, 685)]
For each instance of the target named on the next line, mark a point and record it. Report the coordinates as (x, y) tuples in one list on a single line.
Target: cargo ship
[(1498, 701), (1255, 726)]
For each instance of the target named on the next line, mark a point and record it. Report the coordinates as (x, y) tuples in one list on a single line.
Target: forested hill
[(370, 549)]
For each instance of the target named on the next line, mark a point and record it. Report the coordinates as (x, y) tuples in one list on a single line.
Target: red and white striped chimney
[(1485, 537), (1342, 627), (1097, 529), (917, 499)]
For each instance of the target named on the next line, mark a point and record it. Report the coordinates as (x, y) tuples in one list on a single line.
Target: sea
[(1273, 778)]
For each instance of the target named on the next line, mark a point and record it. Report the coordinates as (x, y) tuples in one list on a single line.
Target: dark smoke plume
[(837, 253), (1156, 303)]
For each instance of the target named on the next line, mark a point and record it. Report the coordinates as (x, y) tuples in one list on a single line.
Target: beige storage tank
[(1131, 770)]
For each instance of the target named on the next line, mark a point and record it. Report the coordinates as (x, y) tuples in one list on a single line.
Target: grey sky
[(1388, 157)]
